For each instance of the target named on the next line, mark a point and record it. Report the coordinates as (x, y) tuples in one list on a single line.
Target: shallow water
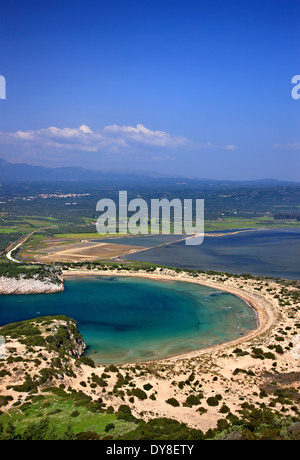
[(274, 252), (126, 319)]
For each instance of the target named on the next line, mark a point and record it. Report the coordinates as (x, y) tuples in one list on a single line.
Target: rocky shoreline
[(29, 286)]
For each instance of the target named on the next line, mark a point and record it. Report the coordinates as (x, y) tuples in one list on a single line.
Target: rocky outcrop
[(30, 286), (66, 335), (40, 353)]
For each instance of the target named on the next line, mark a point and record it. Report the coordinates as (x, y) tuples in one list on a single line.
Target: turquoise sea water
[(126, 319)]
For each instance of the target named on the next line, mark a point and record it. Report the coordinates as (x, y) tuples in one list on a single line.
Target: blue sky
[(194, 88)]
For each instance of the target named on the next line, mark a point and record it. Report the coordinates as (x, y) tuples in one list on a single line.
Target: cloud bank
[(112, 138), (124, 146)]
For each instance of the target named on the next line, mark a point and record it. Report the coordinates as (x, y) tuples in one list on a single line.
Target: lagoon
[(272, 252), (131, 319)]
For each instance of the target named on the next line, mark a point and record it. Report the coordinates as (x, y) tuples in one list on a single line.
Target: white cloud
[(145, 136), (85, 129), (112, 138)]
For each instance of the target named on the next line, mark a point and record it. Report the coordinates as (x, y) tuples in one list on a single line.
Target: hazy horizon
[(155, 174)]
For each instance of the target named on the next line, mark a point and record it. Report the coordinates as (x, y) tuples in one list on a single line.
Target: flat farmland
[(58, 250)]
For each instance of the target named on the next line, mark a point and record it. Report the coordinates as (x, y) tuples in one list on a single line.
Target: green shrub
[(139, 393), (87, 361), (173, 402), (111, 368), (147, 387), (212, 401), (109, 427), (224, 409), (192, 400)]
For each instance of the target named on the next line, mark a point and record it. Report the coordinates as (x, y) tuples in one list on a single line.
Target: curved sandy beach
[(264, 309), (237, 374)]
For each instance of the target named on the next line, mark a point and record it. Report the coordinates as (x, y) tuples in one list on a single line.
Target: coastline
[(243, 371), (264, 310)]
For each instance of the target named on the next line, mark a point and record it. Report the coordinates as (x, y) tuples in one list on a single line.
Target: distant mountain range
[(19, 172), (22, 172)]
